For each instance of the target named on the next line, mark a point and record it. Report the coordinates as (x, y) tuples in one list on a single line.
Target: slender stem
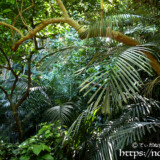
[(8, 61), (14, 85), (7, 95), (5, 92), (12, 27), (17, 17), (11, 69), (20, 13), (24, 97)]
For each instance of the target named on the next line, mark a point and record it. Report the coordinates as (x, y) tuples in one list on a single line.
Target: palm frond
[(62, 113), (119, 138), (129, 127), (74, 128), (125, 130), (119, 78), (127, 23)]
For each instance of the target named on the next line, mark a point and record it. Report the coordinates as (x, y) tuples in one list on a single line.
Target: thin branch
[(4, 54), (8, 61), (7, 95), (29, 83), (60, 3), (15, 81), (20, 13), (35, 42), (12, 27), (5, 92), (21, 7), (18, 16), (11, 69), (14, 85)]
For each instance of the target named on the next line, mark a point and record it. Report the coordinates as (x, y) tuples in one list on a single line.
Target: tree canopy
[(82, 75)]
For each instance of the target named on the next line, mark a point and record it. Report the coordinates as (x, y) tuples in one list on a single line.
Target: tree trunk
[(18, 123), (102, 11)]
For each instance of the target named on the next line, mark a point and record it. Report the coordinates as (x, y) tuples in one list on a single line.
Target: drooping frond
[(74, 128), (118, 79), (106, 147), (129, 127)]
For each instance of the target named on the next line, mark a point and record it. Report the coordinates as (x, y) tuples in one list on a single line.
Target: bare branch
[(14, 85), (63, 9), (15, 81), (11, 69), (12, 27), (7, 95), (4, 54)]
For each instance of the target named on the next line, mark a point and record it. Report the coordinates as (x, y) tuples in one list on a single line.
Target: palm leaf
[(61, 113), (125, 130), (128, 23), (120, 77)]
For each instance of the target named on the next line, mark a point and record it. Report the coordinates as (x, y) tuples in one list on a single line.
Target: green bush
[(8, 151), (45, 145)]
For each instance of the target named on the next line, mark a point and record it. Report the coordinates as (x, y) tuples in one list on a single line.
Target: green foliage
[(46, 144), (8, 150), (130, 125), (110, 73), (118, 77)]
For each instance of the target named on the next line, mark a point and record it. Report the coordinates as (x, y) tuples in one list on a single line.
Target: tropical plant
[(108, 137), (46, 144), (113, 66)]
